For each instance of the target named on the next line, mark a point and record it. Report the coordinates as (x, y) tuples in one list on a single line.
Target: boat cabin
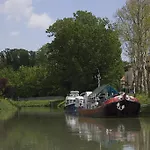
[(80, 101), (71, 98)]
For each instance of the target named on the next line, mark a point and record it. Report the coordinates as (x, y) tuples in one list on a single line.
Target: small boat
[(105, 101)]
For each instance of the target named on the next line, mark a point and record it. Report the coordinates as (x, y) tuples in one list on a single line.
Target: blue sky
[(23, 22)]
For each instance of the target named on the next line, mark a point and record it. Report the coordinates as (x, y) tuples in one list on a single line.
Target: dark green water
[(52, 130)]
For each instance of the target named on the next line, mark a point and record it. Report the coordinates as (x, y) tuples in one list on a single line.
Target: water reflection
[(121, 133), (52, 130)]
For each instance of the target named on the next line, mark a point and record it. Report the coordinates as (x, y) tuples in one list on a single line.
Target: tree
[(41, 55), (17, 57), (83, 45), (133, 22)]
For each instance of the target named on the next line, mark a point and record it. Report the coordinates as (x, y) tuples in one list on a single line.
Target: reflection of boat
[(105, 101), (105, 131)]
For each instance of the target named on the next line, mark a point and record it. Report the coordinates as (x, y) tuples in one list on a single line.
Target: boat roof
[(70, 98), (100, 89), (74, 92), (80, 97), (86, 93)]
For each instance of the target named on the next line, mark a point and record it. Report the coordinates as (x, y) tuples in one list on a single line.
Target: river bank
[(38, 103), (7, 109), (12, 106), (7, 105)]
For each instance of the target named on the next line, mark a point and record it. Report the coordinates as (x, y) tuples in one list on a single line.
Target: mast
[(99, 78)]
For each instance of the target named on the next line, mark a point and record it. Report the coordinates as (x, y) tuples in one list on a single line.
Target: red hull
[(113, 107)]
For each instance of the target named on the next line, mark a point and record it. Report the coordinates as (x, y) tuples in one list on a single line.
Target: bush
[(143, 98)]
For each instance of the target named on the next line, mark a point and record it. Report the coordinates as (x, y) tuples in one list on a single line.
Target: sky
[(24, 22)]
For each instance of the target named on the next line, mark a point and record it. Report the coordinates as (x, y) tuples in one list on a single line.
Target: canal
[(44, 129)]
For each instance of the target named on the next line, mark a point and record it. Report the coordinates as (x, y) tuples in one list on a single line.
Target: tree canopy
[(83, 45)]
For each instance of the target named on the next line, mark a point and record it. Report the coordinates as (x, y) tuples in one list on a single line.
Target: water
[(42, 129)]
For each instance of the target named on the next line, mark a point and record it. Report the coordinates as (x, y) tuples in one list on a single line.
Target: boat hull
[(122, 108), (131, 109), (70, 109)]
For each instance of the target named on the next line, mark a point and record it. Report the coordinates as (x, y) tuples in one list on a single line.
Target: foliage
[(42, 55), (7, 90), (133, 24), (83, 45), (143, 98), (28, 81), (15, 58), (145, 104), (3, 84)]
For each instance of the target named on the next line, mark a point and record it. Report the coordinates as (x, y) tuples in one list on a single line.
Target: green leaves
[(29, 81), (81, 45), (16, 57)]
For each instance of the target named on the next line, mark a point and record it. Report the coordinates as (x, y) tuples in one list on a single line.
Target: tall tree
[(83, 45), (133, 22)]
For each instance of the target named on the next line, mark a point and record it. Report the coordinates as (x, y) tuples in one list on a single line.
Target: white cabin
[(71, 98), (85, 95), (79, 100)]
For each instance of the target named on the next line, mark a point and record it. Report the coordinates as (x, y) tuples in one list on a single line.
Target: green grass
[(143, 98), (6, 105), (37, 103), (7, 109), (145, 104)]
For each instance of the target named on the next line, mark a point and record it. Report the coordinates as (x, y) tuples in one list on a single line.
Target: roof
[(101, 89)]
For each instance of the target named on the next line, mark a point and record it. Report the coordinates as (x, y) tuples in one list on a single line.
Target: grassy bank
[(143, 98), (7, 109), (38, 103), (145, 104), (6, 105)]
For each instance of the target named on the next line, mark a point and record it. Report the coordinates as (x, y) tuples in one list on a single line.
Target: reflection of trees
[(144, 137), (127, 133), (107, 132), (40, 132), (51, 131)]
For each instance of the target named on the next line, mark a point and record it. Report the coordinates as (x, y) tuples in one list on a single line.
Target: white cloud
[(40, 21), (14, 33), (23, 9), (16, 9)]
